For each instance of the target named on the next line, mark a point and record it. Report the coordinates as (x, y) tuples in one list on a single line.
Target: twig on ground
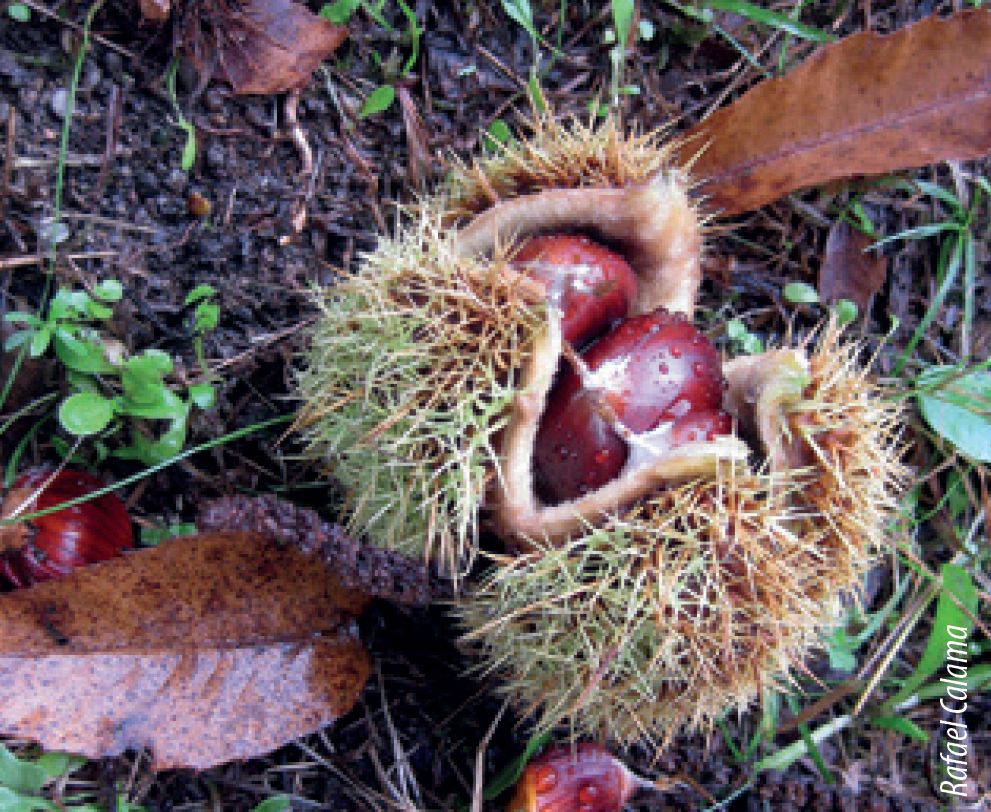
[(7, 164), (307, 169), (365, 170), (36, 259), (96, 219), (114, 110), (42, 9), (404, 772), (478, 791)]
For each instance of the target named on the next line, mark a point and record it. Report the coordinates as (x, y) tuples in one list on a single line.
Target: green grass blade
[(733, 749), (957, 598), (917, 233), (978, 678), (771, 18), (901, 725), (969, 284), (622, 16), (952, 269), (786, 756), (130, 480), (810, 744), (413, 31), (937, 191)]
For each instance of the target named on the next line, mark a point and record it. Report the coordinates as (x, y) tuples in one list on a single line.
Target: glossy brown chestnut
[(649, 372), (584, 778), (595, 285), (52, 546)]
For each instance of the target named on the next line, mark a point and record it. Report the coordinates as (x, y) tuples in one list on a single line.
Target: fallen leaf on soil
[(866, 105), (848, 272), (205, 649), (373, 571), (155, 11), (267, 46)]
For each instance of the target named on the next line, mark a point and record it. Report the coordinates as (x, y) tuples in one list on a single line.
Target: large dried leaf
[(205, 649), (271, 46), (866, 105), (848, 270)]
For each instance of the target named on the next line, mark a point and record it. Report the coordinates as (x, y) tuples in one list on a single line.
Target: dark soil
[(411, 744)]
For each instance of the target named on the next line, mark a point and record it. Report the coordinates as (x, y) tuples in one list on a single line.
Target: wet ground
[(131, 213)]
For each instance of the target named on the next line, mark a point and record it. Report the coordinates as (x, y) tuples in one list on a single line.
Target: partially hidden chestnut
[(595, 286), (52, 546), (654, 374), (584, 778)]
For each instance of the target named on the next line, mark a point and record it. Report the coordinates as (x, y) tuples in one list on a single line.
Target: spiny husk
[(408, 381), (555, 156), (665, 614), (693, 602), (417, 356)]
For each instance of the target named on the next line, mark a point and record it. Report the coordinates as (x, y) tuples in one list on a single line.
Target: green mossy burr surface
[(409, 378)]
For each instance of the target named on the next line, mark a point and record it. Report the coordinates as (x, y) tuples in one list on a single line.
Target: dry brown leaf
[(848, 272), (210, 648), (866, 105), (271, 46), (155, 11)]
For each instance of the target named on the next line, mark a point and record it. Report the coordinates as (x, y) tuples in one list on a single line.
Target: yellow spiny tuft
[(696, 601), (661, 616), (409, 377), (558, 156)]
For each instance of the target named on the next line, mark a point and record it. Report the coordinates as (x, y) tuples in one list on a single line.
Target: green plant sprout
[(957, 251), (189, 149), (498, 135), (703, 13), (382, 97), (108, 384), (19, 12), (802, 293), (741, 339), (954, 399), (206, 316), (22, 781), (843, 643)]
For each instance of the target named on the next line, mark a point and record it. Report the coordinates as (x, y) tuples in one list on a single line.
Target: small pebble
[(146, 182), (316, 107), (216, 156), (59, 102), (257, 116), (176, 180), (214, 99), (112, 62), (91, 76), (198, 206)]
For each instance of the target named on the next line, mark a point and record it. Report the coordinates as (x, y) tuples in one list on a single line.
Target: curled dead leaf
[(848, 272), (866, 105), (260, 46), (374, 571), (205, 649)]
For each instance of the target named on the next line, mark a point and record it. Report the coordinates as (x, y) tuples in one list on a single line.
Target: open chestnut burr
[(701, 569)]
